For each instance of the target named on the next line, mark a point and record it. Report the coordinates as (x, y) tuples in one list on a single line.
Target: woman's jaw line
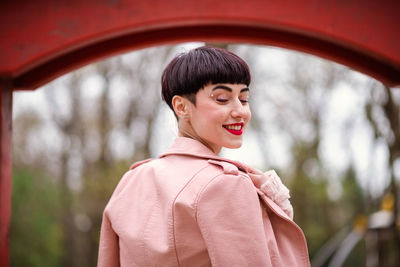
[(234, 130)]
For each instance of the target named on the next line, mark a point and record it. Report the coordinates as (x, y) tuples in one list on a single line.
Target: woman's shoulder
[(138, 163), (212, 181), (199, 173), (223, 175), (128, 177)]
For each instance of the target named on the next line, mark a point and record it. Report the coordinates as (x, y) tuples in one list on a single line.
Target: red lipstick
[(234, 128)]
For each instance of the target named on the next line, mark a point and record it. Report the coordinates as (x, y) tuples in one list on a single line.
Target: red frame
[(42, 39)]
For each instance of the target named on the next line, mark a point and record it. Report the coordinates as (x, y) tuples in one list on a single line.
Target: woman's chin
[(233, 145)]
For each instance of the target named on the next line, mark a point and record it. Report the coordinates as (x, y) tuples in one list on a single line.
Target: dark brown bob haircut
[(189, 72)]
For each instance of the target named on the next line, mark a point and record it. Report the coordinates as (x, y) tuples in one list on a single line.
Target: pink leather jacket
[(192, 208)]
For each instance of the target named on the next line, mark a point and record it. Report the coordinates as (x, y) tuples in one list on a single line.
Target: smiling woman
[(190, 207), (218, 118)]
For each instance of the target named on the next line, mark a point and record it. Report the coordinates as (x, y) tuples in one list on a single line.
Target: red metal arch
[(42, 39), (210, 32)]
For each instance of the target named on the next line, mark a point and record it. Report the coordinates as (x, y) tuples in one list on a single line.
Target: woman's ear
[(180, 105)]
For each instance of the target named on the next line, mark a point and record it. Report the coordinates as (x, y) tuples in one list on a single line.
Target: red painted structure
[(42, 39)]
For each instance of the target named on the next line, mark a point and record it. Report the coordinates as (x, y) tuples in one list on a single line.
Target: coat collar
[(191, 147)]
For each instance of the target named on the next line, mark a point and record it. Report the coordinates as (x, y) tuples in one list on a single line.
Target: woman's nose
[(239, 110)]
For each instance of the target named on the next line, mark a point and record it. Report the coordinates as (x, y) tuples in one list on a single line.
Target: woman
[(190, 207)]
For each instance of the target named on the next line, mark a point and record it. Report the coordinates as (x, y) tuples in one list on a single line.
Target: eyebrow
[(228, 88)]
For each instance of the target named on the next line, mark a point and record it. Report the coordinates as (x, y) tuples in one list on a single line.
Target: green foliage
[(36, 235), (320, 216), (352, 204), (99, 183), (353, 197), (313, 209)]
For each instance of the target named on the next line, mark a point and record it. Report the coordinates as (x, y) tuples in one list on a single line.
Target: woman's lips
[(234, 128)]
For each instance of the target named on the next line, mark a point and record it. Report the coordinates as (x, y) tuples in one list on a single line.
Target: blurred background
[(332, 135)]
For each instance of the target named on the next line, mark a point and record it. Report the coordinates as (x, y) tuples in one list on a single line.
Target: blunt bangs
[(189, 72)]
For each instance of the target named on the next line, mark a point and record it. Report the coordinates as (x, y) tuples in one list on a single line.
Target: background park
[(332, 133)]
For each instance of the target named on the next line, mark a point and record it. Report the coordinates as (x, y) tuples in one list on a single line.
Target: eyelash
[(226, 100)]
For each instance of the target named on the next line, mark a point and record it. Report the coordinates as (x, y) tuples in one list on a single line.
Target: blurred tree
[(72, 134), (383, 112), (105, 116), (36, 234)]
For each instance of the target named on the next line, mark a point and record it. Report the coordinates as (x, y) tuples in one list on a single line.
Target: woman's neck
[(188, 132)]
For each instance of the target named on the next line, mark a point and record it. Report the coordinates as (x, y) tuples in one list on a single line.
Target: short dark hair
[(188, 72)]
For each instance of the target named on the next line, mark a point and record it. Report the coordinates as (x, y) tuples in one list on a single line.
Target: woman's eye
[(244, 100), (222, 100)]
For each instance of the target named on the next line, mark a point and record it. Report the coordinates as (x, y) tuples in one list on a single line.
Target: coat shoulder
[(227, 167), (137, 164)]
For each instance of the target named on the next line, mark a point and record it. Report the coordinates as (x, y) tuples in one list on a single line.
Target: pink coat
[(191, 208)]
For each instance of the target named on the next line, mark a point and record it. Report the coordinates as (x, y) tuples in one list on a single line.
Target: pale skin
[(219, 117)]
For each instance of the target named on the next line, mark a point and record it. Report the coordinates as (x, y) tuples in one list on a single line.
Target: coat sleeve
[(108, 247), (230, 219)]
